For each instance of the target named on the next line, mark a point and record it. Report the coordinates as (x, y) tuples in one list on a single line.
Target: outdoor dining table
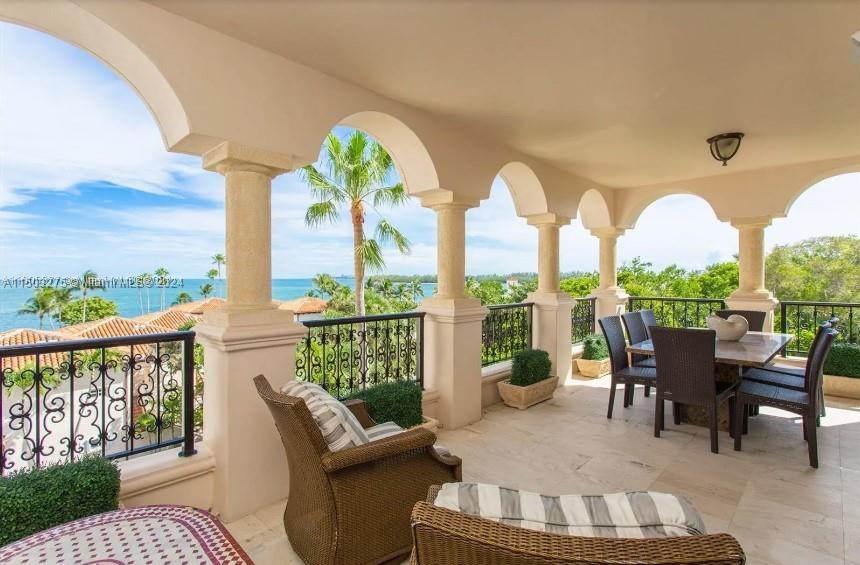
[(755, 349)]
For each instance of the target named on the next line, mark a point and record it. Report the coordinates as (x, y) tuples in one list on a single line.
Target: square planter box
[(429, 423), (524, 396), (846, 387), (593, 367)]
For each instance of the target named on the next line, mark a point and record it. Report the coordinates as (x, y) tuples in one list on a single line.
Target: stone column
[(611, 298), (752, 293), (247, 337), (452, 325), (551, 314)]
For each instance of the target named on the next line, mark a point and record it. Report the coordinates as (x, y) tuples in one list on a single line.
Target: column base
[(762, 301), (251, 469), (610, 301), (551, 328), (452, 357)]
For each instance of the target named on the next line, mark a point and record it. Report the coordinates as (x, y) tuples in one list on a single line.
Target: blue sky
[(85, 182)]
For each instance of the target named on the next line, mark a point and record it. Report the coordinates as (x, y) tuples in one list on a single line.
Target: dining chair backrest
[(649, 320), (815, 363), (635, 326), (614, 334), (685, 364), (755, 318)]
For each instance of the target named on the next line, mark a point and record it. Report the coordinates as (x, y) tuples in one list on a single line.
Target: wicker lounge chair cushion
[(388, 429), (624, 515), (339, 427)]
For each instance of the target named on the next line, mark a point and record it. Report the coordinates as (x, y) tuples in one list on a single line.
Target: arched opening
[(525, 188)]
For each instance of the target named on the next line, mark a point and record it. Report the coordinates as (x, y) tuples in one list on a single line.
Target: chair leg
[(740, 418), (612, 388), (805, 432), (647, 391), (746, 422), (732, 401), (812, 440), (658, 416), (628, 394), (676, 413), (712, 424), (822, 409)]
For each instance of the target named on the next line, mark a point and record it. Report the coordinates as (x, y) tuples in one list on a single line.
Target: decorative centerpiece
[(732, 328), (530, 381), (594, 361)]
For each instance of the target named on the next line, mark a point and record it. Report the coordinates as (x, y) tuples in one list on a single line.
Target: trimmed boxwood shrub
[(843, 360), (398, 402), (530, 366), (41, 498), (594, 348)]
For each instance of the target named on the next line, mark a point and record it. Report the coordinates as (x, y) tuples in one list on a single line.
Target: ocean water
[(133, 302)]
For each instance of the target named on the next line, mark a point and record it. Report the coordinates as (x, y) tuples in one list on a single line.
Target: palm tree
[(206, 290), (161, 275), (358, 175), (89, 281), (41, 304), (143, 281), (182, 298), (62, 296), (218, 260)]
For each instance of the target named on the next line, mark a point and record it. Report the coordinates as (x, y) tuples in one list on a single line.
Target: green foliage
[(817, 269), (530, 366), (38, 499), (398, 402), (494, 291), (23, 378), (594, 348), (96, 309), (381, 296), (843, 360)]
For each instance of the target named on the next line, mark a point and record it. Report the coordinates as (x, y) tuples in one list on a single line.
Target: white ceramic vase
[(731, 329)]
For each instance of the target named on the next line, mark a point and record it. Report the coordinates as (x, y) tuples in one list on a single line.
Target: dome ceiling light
[(725, 145)]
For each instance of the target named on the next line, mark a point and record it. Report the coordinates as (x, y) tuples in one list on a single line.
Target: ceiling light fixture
[(725, 145)]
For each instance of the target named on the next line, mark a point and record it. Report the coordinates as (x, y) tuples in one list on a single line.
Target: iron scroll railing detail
[(115, 397), (677, 312), (345, 355), (506, 330), (801, 319), (582, 319)]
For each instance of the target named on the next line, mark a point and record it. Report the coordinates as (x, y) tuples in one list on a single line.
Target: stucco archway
[(635, 209), (798, 192), (594, 211), (525, 188)]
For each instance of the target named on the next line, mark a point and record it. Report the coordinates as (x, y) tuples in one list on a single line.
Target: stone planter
[(429, 423), (524, 396), (593, 367), (846, 387)]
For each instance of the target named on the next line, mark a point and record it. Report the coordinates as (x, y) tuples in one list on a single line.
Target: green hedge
[(38, 499), (398, 402), (843, 360), (530, 366), (594, 348)]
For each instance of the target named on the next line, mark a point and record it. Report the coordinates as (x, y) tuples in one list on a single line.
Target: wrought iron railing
[(677, 312), (801, 319), (345, 355), (506, 330), (116, 397), (582, 319)]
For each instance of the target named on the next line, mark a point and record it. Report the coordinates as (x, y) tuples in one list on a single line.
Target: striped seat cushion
[(338, 425), (389, 429), (621, 515)]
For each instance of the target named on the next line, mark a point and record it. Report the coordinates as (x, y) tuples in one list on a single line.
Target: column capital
[(547, 219), (441, 199), (607, 232), (752, 222), (231, 157)]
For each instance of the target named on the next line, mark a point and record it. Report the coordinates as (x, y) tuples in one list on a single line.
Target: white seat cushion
[(338, 425), (389, 429), (638, 514)]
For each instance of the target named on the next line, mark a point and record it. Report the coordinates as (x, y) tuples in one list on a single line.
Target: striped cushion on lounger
[(380, 431), (621, 515), (338, 425)]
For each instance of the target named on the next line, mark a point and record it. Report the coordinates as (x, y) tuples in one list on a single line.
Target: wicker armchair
[(353, 505), (649, 320), (755, 318), (634, 323), (443, 536)]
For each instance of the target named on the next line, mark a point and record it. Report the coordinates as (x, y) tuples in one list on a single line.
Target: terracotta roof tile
[(198, 307), (304, 305), (172, 319)]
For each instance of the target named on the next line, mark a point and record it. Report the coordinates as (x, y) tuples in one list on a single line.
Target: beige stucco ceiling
[(624, 93)]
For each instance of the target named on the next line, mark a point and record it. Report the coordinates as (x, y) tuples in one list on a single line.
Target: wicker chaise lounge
[(353, 505), (443, 536)]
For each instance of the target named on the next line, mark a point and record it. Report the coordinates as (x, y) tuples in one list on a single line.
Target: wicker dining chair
[(686, 376), (755, 318), (442, 536), (353, 505), (637, 332), (649, 320), (804, 403), (622, 372)]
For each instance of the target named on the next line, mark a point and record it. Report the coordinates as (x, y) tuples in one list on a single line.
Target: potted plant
[(842, 371), (530, 380), (594, 361), (398, 402)]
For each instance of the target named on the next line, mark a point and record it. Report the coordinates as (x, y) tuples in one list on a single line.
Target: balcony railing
[(677, 312), (116, 397), (801, 319), (345, 355), (582, 319), (506, 330)]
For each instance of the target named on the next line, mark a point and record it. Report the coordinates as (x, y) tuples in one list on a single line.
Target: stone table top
[(755, 349)]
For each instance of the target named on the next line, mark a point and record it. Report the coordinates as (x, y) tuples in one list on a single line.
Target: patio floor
[(782, 511)]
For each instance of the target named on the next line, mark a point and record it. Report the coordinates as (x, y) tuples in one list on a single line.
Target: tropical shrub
[(843, 360), (97, 308), (37, 499), (397, 401), (594, 348), (530, 366)]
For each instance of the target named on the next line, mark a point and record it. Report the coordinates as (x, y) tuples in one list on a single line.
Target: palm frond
[(387, 233), (380, 164), (393, 196), (370, 255), (319, 213), (322, 187)]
